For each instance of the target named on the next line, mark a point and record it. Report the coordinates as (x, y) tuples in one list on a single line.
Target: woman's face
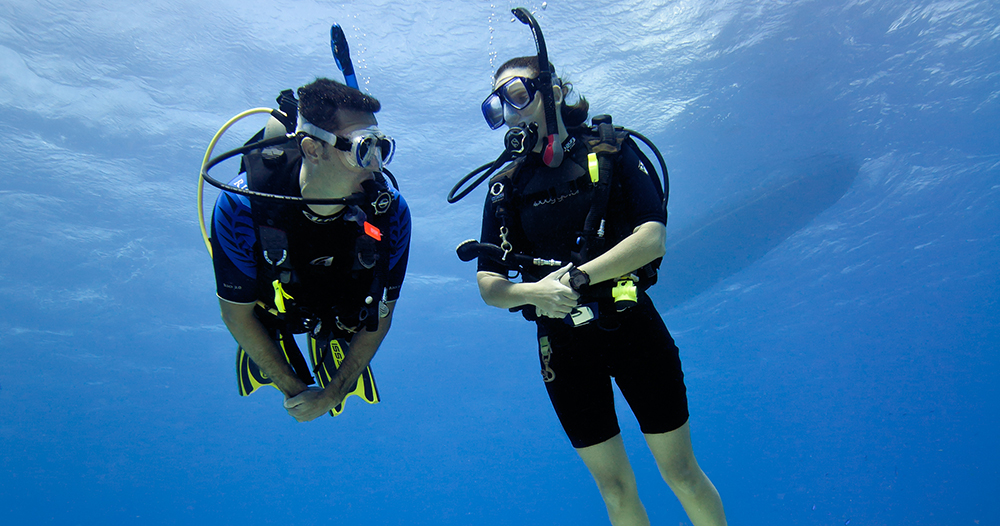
[(532, 112)]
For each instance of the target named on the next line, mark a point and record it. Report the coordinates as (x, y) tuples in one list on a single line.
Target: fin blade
[(325, 365), (249, 377)]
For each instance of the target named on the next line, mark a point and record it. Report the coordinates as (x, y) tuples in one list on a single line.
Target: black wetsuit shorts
[(638, 352)]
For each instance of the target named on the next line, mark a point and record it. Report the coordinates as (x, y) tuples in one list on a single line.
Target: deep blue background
[(832, 269)]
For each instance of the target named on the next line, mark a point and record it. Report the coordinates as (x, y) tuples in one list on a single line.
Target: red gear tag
[(373, 231)]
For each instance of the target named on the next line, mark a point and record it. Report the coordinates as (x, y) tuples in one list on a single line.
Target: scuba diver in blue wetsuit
[(310, 238), (581, 215)]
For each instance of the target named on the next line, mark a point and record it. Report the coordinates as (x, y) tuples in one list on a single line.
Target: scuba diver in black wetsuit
[(584, 196)]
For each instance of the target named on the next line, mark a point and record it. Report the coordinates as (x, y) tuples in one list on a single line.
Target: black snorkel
[(551, 149)]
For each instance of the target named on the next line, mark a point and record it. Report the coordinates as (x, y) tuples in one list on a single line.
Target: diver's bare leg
[(675, 458), (609, 465)]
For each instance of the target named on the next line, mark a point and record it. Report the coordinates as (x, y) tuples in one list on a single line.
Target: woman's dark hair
[(320, 100), (573, 115)]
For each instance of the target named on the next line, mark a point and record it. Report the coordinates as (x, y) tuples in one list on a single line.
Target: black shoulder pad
[(508, 172), (267, 168)]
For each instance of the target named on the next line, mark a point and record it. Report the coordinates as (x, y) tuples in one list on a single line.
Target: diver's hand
[(551, 297), (308, 405)]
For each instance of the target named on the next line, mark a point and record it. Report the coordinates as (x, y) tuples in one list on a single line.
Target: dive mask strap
[(308, 128)]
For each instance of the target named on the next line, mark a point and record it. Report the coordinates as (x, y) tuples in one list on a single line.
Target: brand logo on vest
[(382, 202), (554, 200), (322, 261), (496, 192)]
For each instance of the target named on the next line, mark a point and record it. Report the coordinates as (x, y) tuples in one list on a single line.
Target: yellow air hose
[(204, 163)]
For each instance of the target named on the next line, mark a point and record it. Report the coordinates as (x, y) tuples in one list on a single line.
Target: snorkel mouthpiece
[(552, 153), (549, 153)]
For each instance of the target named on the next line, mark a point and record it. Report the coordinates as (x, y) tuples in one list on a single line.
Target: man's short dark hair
[(320, 100)]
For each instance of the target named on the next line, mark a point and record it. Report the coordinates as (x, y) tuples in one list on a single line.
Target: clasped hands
[(552, 296), (309, 404)]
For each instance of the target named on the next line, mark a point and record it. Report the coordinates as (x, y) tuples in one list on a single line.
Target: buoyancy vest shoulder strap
[(501, 185), (500, 195), (602, 152), (384, 208), (268, 171)]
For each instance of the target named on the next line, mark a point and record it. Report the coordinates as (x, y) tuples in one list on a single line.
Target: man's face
[(327, 158), (349, 121)]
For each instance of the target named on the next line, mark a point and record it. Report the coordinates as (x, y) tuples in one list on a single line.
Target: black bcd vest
[(333, 271), (573, 189)]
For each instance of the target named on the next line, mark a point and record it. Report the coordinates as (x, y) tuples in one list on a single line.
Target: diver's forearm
[(644, 245), (500, 292), (357, 357), (253, 337)]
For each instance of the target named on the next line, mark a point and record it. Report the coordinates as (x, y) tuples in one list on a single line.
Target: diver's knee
[(617, 490), (682, 475)]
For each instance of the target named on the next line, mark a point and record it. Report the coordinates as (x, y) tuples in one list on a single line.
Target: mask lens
[(517, 93), (386, 147), (361, 151), (493, 110)]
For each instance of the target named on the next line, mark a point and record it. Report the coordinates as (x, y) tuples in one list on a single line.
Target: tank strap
[(603, 150)]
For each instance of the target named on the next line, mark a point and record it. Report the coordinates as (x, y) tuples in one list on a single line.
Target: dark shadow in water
[(734, 235)]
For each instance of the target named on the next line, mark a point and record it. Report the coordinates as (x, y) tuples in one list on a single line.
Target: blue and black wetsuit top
[(322, 251), (548, 206)]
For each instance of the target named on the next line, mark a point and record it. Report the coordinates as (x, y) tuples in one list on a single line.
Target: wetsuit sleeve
[(233, 238), (638, 200), (399, 250)]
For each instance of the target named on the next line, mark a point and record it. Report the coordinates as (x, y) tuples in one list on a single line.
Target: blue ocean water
[(832, 278)]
